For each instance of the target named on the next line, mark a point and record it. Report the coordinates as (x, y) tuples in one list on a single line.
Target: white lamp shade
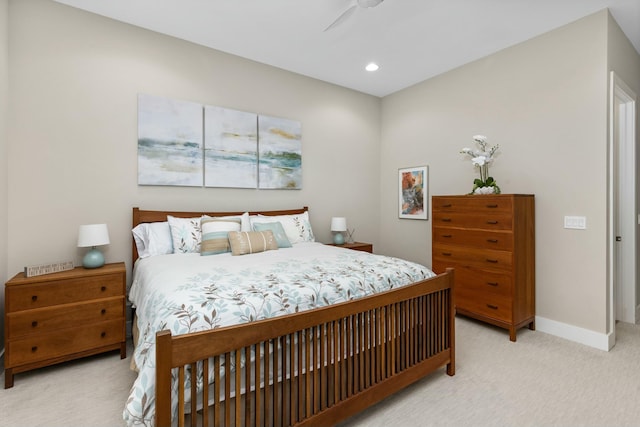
[(93, 235), (338, 224)]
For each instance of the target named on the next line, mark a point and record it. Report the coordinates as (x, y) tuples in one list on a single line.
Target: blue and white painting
[(170, 146), (279, 153), (230, 148)]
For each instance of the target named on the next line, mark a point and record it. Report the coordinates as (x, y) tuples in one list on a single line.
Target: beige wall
[(4, 104), (545, 103), (75, 78)]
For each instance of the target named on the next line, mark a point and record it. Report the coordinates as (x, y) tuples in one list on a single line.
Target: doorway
[(623, 216)]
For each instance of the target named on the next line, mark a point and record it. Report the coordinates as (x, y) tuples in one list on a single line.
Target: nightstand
[(62, 316), (357, 246)]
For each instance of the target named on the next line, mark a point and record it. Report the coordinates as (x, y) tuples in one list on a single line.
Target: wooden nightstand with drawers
[(62, 316), (356, 246)]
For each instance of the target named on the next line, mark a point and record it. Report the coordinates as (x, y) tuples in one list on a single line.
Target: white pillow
[(153, 238), (245, 223), (215, 232), (296, 226), (185, 234)]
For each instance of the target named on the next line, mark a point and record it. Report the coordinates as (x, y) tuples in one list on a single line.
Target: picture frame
[(413, 185)]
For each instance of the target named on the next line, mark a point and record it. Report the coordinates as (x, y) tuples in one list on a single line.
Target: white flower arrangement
[(481, 159)]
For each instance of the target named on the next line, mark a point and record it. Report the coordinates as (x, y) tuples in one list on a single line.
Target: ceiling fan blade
[(342, 17)]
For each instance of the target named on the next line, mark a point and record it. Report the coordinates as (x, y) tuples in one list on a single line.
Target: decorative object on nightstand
[(58, 317), (93, 235), (338, 226)]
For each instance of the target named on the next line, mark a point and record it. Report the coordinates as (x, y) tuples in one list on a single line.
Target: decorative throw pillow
[(185, 234), (277, 230), (215, 234), (297, 226), (251, 242), (153, 238)]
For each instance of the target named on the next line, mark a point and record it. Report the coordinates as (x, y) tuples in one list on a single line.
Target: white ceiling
[(411, 40)]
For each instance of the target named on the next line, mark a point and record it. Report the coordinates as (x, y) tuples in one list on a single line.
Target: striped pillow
[(214, 234), (251, 242)]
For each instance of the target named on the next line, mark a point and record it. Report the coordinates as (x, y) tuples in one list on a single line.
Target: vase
[(485, 190)]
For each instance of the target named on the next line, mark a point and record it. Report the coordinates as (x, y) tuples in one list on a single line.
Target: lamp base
[(338, 239), (93, 259)]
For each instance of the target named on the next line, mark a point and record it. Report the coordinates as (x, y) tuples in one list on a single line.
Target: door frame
[(623, 214)]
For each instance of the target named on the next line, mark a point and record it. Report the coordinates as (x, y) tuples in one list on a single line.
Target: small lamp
[(338, 226), (93, 235)]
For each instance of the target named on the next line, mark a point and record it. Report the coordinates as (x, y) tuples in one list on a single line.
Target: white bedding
[(188, 293)]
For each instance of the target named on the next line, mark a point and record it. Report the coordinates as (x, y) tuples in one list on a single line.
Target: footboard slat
[(315, 367)]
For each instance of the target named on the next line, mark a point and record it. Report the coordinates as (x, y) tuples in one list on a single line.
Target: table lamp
[(93, 235), (338, 226)]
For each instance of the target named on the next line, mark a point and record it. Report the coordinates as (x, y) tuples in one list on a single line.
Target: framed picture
[(412, 192)]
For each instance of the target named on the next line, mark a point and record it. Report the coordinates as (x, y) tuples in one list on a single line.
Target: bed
[(298, 334)]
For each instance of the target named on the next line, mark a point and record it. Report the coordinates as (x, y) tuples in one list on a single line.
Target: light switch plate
[(575, 222)]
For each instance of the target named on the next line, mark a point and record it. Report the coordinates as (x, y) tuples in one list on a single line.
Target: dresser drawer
[(474, 205), (45, 320), (489, 282), (491, 305), (471, 257), (498, 240), (35, 348), (30, 296), (493, 221)]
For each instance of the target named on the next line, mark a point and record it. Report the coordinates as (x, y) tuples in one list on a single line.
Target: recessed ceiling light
[(372, 66)]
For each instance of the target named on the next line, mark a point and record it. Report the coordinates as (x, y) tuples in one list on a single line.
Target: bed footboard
[(311, 368)]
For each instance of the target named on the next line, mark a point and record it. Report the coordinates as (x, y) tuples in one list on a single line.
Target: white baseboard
[(575, 333)]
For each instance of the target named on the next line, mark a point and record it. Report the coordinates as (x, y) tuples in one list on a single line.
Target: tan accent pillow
[(251, 242)]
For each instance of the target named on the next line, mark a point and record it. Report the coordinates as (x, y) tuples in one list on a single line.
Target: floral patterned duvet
[(188, 293)]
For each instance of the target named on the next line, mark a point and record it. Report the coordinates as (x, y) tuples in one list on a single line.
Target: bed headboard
[(141, 216)]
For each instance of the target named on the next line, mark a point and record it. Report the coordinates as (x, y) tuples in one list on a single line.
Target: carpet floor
[(540, 380)]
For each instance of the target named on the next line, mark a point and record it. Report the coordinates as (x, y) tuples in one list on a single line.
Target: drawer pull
[(103, 334), (492, 240), (103, 311), (493, 261), (34, 298), (448, 205), (492, 206), (492, 283), (492, 307), (446, 219), (492, 222), (446, 253), (103, 288), (34, 324), (448, 236), (34, 349)]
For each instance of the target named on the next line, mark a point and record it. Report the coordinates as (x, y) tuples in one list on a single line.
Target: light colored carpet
[(539, 381)]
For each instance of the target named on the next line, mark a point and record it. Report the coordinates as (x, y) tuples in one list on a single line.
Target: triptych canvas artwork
[(191, 144)]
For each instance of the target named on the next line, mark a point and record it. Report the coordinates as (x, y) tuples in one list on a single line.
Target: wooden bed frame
[(326, 364)]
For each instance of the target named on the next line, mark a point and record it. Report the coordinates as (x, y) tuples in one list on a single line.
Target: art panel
[(279, 153), (230, 148), (169, 142)]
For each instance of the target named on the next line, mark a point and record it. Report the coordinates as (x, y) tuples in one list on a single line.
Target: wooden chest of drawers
[(63, 316), (490, 241)]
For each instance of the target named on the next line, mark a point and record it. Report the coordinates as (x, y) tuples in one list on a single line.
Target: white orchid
[(482, 159)]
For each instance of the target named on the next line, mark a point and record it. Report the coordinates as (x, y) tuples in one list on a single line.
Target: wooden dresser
[(490, 242), (63, 316)]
